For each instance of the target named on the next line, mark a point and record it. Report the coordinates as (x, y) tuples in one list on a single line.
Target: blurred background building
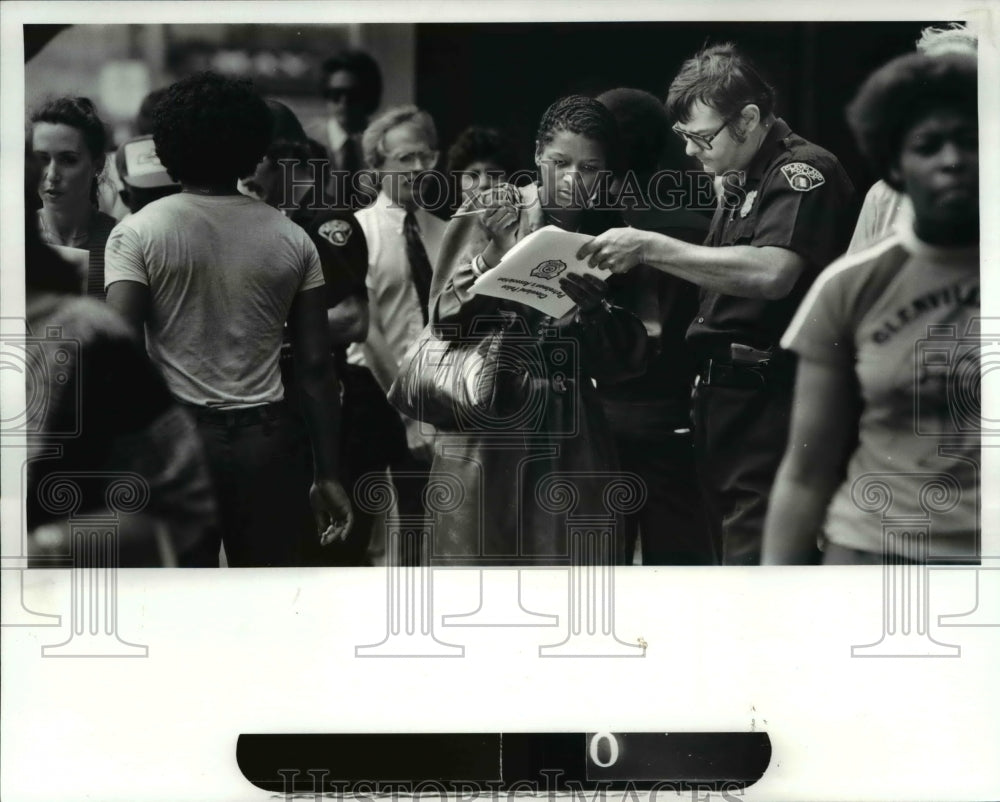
[(502, 75)]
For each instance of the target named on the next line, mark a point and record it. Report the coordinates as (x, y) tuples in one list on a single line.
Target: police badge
[(336, 231), (802, 177), (548, 269)]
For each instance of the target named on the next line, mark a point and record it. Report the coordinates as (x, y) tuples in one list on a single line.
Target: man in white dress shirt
[(403, 244)]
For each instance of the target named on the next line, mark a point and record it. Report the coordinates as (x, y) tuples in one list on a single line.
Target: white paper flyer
[(529, 272)]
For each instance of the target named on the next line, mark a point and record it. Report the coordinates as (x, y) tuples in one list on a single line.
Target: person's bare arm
[(317, 380), (823, 434), (348, 321), (131, 300), (746, 271)]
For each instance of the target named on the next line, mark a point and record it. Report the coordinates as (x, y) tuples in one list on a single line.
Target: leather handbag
[(453, 381)]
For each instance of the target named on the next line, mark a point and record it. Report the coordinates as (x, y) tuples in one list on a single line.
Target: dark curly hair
[(587, 117), (144, 118), (903, 92), (478, 143), (722, 78), (211, 130), (644, 125), (364, 68), (288, 138), (79, 113)]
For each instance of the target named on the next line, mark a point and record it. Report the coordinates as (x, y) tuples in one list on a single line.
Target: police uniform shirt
[(343, 257), (343, 254), (796, 196)]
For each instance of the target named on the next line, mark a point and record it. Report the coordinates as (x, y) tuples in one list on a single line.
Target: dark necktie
[(420, 265), (350, 162)]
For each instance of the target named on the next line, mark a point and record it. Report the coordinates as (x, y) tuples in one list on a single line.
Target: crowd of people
[(248, 291)]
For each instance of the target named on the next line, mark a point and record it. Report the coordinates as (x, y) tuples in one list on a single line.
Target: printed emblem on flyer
[(336, 231), (802, 177), (549, 269)]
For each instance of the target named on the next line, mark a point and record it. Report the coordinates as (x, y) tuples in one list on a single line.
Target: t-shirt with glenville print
[(904, 317)]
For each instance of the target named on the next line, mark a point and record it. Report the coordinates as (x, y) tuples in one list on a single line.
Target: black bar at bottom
[(464, 763)]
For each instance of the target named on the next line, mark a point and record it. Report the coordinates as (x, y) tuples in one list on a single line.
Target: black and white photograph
[(467, 337)]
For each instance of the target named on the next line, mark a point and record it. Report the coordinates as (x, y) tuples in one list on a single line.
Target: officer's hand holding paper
[(530, 273)]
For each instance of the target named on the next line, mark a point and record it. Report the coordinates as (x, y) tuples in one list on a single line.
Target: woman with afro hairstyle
[(884, 207), (886, 417), (213, 276), (506, 472)]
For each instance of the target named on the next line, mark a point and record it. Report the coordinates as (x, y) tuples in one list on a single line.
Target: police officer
[(785, 211)]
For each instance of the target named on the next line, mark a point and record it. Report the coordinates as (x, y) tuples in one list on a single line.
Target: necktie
[(350, 161), (420, 265)]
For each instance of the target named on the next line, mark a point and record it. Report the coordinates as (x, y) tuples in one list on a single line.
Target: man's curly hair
[(903, 92), (211, 130), (587, 117)]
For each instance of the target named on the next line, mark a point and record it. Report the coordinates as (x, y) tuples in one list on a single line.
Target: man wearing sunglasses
[(785, 211), (352, 89)]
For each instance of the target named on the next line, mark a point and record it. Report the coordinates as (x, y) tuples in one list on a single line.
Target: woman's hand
[(587, 292), (501, 217)]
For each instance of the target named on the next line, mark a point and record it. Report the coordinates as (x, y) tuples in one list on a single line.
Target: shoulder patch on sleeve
[(802, 177), (336, 231)]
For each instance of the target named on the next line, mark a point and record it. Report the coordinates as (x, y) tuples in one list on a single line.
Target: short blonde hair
[(373, 139)]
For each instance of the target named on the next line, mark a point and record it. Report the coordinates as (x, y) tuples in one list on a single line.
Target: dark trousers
[(740, 438), (673, 524), (373, 438), (261, 476)]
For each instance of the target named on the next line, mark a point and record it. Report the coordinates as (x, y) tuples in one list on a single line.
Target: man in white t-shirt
[(214, 276)]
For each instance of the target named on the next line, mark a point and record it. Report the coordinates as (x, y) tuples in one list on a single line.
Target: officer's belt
[(720, 373)]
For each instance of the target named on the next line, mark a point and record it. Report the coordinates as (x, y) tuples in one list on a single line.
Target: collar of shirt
[(336, 134), (954, 257), (394, 214), (768, 149)]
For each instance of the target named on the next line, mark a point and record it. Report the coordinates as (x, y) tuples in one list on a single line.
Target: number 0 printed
[(595, 743)]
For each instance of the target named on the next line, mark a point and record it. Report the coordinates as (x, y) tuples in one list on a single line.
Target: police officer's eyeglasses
[(704, 141)]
